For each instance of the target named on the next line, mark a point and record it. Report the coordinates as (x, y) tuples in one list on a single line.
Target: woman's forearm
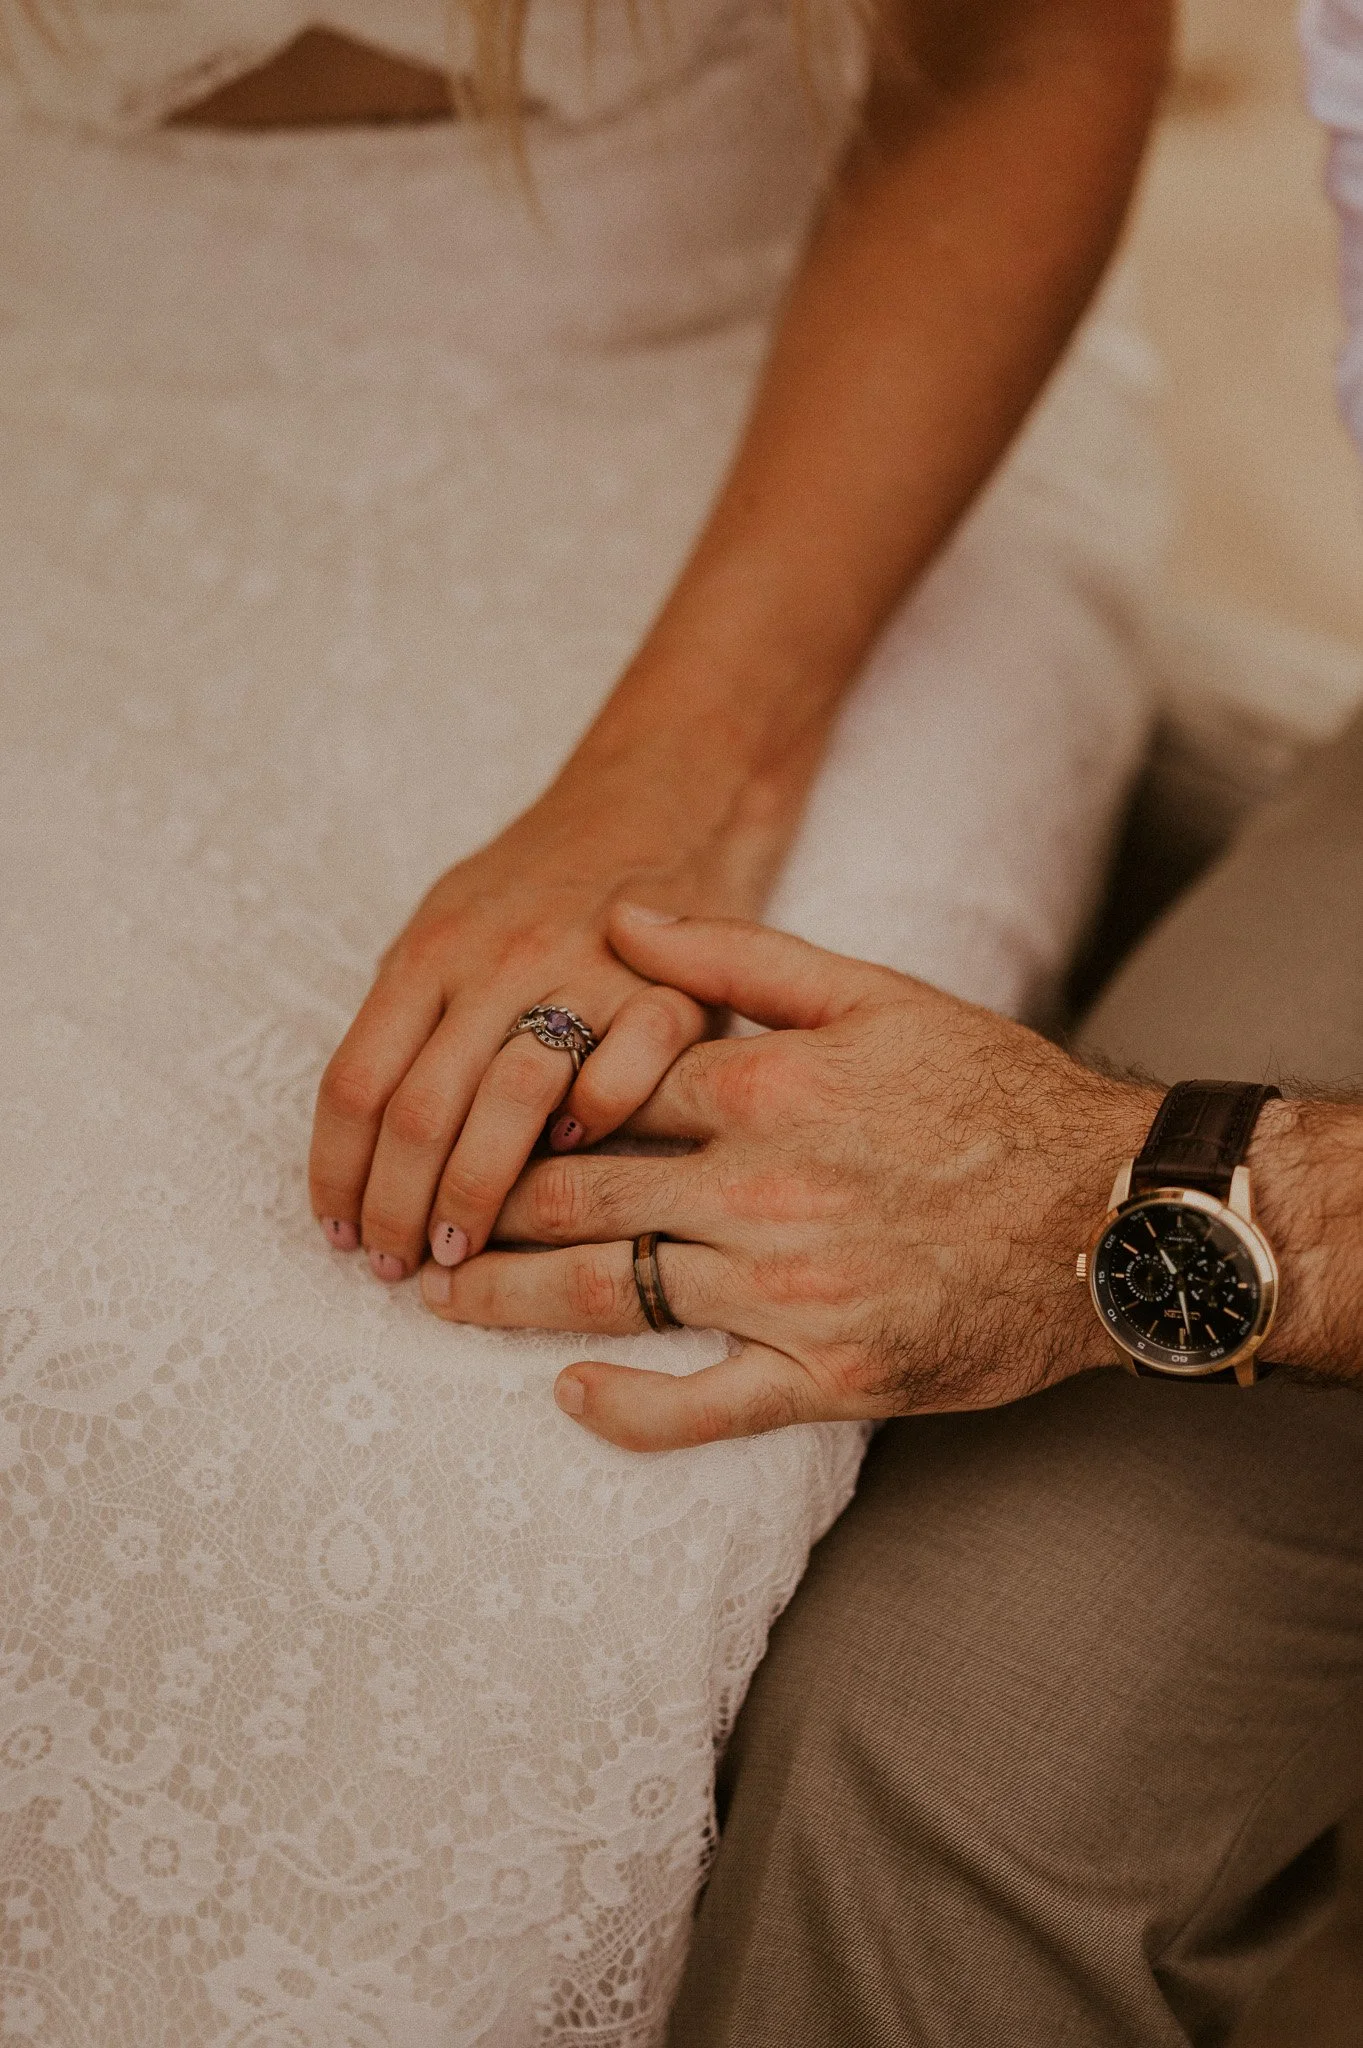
[(962, 238), (960, 242)]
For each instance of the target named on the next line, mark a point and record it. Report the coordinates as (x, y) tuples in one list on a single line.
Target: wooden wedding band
[(649, 1285)]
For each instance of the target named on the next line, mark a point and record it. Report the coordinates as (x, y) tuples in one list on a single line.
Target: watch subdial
[(1225, 1299), (1148, 1279)]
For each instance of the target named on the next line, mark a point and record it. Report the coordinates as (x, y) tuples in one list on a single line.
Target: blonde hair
[(494, 89), (819, 29)]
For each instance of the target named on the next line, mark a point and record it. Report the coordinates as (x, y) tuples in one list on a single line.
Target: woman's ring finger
[(562, 1030)]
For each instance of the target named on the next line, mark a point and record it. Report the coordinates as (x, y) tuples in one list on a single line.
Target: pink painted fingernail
[(643, 913), (449, 1244), (571, 1396), (436, 1283), (566, 1134), (344, 1236), (386, 1267)]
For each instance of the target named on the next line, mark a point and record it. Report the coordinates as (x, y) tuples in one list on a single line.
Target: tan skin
[(886, 1192), (324, 80), (883, 1204), (960, 242)]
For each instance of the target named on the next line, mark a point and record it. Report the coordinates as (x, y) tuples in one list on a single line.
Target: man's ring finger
[(561, 1030), (648, 1282)]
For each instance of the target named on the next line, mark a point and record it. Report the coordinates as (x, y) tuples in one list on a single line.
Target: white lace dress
[(350, 1696)]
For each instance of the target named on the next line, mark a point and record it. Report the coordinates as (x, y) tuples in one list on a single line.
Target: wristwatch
[(1184, 1281)]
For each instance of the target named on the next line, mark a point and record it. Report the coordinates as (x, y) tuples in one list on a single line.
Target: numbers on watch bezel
[(1119, 1251)]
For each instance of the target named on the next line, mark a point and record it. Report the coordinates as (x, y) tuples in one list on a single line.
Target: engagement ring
[(561, 1030)]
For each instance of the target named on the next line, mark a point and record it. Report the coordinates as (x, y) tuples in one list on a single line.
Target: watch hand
[(1187, 1315), (1166, 1258)]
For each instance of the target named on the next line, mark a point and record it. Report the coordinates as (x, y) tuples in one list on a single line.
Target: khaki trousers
[(1052, 1742)]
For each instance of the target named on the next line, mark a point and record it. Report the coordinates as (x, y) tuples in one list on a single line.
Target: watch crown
[(1081, 1266)]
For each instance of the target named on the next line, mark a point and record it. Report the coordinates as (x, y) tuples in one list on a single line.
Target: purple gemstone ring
[(561, 1030)]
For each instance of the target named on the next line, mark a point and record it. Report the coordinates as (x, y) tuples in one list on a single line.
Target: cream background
[(1234, 240)]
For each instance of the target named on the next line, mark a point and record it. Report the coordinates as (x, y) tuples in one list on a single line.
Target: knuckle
[(641, 1436), (525, 1080), (351, 1092), (382, 1230), (479, 1294), (696, 1075), (601, 1097), (417, 1117), (422, 952), (557, 1200), (760, 1086), (800, 1280), (594, 1293), (526, 951), (427, 953), (731, 1085), (596, 1105), (333, 1197), (467, 1188), (663, 1021), (785, 1077)]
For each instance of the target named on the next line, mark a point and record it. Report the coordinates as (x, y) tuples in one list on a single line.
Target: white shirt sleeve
[(1332, 34)]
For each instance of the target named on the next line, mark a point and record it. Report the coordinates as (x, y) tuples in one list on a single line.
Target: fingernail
[(449, 1244), (344, 1236), (571, 1396), (567, 1133), (436, 1282), (642, 913), (386, 1267)]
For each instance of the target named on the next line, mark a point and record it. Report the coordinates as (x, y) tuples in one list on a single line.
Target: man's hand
[(962, 236), (883, 1206)]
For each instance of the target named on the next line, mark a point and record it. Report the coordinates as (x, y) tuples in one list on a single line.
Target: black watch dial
[(1176, 1285)]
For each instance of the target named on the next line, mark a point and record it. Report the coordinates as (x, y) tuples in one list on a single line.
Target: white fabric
[(349, 1694), (1332, 33), (123, 66), (127, 64)]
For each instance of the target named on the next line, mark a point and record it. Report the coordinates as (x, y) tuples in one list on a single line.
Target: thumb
[(729, 964), (755, 1390)]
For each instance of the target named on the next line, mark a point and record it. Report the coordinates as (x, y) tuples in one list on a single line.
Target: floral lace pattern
[(349, 1694)]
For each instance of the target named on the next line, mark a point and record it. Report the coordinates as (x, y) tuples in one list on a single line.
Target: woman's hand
[(424, 1118), (961, 239), (883, 1203)]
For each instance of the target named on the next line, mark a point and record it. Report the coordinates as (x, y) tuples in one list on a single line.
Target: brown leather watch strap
[(1199, 1137), (1227, 1376)]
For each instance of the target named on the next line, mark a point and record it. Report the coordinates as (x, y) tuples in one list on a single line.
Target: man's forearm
[(881, 1198), (962, 240), (1307, 1165)]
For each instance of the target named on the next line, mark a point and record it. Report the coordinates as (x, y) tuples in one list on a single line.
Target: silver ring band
[(561, 1030)]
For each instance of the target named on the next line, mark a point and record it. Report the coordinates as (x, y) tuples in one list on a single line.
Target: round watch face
[(1176, 1284)]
